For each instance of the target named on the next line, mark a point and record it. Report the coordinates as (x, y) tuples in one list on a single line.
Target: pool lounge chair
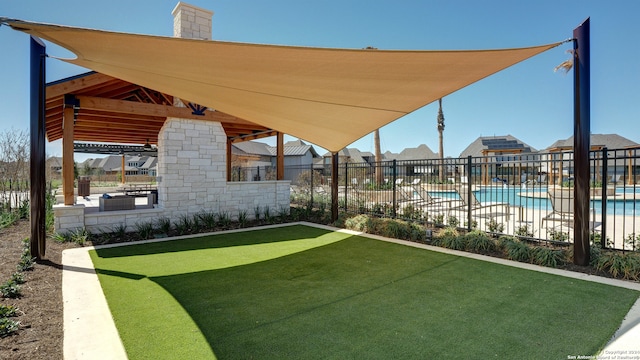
[(417, 195), (562, 205), (478, 209)]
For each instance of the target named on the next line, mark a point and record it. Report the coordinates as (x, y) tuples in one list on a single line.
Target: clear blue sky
[(528, 100)]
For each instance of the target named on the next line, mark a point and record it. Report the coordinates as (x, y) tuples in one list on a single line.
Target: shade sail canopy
[(330, 97)]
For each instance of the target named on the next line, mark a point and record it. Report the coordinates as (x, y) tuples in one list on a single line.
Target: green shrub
[(478, 241), (595, 252), (144, 230), (266, 214), (10, 290), (242, 218), (474, 224), (524, 231), (517, 250), (450, 238), (416, 232), (283, 213), (183, 225), (17, 277), (26, 263), (224, 219), (618, 264), (196, 223), (453, 221), (548, 257), (120, 231), (7, 311), (80, 236), (494, 226), (24, 209), (396, 229), (164, 225), (438, 219), (357, 223), (257, 212), (558, 235), (208, 219), (8, 326), (633, 241), (62, 237), (7, 219)]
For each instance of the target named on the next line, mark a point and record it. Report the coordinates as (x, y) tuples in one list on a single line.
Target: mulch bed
[(40, 306)]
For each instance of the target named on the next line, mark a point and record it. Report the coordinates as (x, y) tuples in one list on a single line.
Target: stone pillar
[(191, 22), (192, 161)]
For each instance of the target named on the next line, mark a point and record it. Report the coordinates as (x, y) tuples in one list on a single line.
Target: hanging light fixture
[(147, 146)]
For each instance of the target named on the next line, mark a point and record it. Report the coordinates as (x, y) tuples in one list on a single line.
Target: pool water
[(525, 197)]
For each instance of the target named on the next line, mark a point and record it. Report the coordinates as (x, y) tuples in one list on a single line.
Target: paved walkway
[(90, 333)]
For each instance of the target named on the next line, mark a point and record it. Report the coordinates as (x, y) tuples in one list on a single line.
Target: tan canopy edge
[(330, 97)]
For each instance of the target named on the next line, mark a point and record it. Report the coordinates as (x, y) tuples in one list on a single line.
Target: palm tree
[(379, 169), (440, 146)]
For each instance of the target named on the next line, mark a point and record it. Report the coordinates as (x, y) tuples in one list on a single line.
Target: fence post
[(346, 186), (603, 213), (311, 190), (394, 174), (469, 192)]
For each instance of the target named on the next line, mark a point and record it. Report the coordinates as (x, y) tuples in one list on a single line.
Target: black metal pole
[(37, 149), (469, 192), (394, 176), (334, 187), (603, 212), (581, 142)]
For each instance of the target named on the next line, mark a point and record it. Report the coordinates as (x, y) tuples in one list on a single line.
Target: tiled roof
[(611, 141), (505, 143)]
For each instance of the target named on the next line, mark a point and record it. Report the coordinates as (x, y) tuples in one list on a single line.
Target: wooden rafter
[(113, 110)]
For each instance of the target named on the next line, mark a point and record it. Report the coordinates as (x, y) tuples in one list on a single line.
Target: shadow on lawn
[(299, 305), (197, 242)]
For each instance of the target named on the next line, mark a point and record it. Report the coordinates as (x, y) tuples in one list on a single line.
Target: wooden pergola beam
[(280, 156), (137, 108), (67, 156)]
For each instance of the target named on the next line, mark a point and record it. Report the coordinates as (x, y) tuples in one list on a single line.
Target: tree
[(14, 164), (379, 169), (440, 145)]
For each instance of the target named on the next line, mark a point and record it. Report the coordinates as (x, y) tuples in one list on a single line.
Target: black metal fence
[(13, 194), (525, 195)]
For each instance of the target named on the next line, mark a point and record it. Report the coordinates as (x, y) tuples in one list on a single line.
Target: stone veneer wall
[(192, 171), (191, 22), (191, 179)]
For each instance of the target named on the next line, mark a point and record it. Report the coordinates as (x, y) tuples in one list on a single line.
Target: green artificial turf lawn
[(304, 293)]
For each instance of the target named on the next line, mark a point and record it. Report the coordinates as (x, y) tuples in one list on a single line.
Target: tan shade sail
[(330, 97)]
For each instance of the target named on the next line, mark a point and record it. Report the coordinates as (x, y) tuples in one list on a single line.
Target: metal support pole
[(581, 142), (394, 173), (603, 211), (346, 186), (311, 190), (334, 187), (469, 192), (37, 164)]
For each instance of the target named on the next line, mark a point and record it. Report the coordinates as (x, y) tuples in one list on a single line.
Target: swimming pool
[(534, 198)]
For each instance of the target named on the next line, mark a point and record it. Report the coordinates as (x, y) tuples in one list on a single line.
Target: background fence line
[(525, 195)]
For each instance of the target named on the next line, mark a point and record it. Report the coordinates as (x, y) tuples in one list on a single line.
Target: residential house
[(559, 159), (503, 158), (255, 161)]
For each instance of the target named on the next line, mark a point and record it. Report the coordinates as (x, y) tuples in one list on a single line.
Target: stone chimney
[(191, 22)]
